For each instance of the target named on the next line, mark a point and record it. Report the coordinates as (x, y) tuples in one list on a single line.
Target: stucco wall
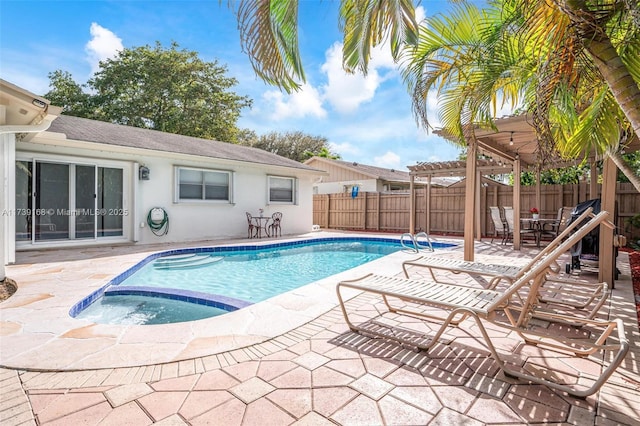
[(192, 221), (364, 185)]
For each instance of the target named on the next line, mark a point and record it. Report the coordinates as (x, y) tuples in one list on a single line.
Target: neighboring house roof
[(389, 175), (371, 171), (83, 129)]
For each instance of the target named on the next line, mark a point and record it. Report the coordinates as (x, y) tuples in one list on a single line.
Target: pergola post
[(427, 212), (593, 181), (517, 170), (538, 195), (412, 205), (606, 258), (478, 223), (470, 199)]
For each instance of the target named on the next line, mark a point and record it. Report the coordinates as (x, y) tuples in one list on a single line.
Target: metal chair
[(251, 227), (274, 228), (508, 216), (500, 227), (554, 229)]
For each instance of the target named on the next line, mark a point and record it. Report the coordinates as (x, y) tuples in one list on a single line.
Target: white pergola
[(513, 147)]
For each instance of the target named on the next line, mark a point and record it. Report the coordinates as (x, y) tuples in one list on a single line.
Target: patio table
[(261, 225), (537, 226)]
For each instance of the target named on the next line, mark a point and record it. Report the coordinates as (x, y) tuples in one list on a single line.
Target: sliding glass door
[(50, 216), (85, 208), (62, 201), (110, 202)]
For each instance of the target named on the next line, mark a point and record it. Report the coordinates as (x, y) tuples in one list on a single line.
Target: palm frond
[(269, 35), (368, 23), (598, 127)]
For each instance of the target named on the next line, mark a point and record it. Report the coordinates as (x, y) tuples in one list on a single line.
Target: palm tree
[(269, 35), (472, 58), (548, 36), (604, 35)]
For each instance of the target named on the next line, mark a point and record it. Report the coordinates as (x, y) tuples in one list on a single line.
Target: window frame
[(177, 185), (294, 190)]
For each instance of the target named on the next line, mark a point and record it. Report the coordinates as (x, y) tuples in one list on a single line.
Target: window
[(282, 190), (209, 185)]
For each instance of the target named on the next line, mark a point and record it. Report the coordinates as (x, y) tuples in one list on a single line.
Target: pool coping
[(39, 335)]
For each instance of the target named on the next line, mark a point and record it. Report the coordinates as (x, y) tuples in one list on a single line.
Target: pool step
[(185, 261)]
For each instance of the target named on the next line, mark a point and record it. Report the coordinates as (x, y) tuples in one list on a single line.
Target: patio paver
[(316, 373)]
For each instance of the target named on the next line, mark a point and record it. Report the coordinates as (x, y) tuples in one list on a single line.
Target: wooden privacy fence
[(389, 212)]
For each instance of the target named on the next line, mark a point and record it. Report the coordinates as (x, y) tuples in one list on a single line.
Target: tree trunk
[(624, 168), (597, 42), (624, 88)]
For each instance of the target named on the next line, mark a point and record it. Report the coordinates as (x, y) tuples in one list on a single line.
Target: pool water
[(135, 310), (261, 274), (212, 283)]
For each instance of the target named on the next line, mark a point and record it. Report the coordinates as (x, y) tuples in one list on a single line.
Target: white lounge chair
[(497, 272), (585, 296), (518, 303)]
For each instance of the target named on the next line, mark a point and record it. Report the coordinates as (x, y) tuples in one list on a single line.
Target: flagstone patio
[(291, 360)]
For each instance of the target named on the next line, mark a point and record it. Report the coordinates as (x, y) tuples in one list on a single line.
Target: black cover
[(590, 243)]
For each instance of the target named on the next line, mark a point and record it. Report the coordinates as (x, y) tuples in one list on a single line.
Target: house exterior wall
[(367, 185), (7, 202), (336, 172), (188, 221)]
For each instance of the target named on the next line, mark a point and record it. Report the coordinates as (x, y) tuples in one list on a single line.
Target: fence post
[(364, 211), (378, 212), (427, 206), (327, 209)]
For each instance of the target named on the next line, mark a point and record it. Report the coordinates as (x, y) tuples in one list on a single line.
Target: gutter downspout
[(7, 180)]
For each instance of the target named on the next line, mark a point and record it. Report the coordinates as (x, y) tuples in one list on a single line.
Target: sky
[(365, 119)]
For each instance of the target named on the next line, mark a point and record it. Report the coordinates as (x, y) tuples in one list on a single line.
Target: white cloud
[(306, 102), (420, 14), (345, 149), (389, 160), (345, 92), (104, 44)]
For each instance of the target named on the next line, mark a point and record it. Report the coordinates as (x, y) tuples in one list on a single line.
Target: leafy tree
[(169, 90), (247, 137), (323, 153), (294, 145), (68, 94)]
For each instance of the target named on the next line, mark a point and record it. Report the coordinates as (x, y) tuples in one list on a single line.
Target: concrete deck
[(288, 360)]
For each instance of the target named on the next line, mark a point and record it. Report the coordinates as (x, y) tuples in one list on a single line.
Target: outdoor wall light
[(39, 103), (143, 173), (511, 139)]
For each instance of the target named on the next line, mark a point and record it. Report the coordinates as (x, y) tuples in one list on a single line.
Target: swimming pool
[(210, 281)]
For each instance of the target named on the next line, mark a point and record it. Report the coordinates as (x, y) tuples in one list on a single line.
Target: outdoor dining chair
[(500, 227), (555, 228), (251, 226), (508, 216), (274, 227)]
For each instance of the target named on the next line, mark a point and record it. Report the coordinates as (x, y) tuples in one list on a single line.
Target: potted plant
[(535, 213)]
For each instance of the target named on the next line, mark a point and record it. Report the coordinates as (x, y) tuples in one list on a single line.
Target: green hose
[(158, 228)]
